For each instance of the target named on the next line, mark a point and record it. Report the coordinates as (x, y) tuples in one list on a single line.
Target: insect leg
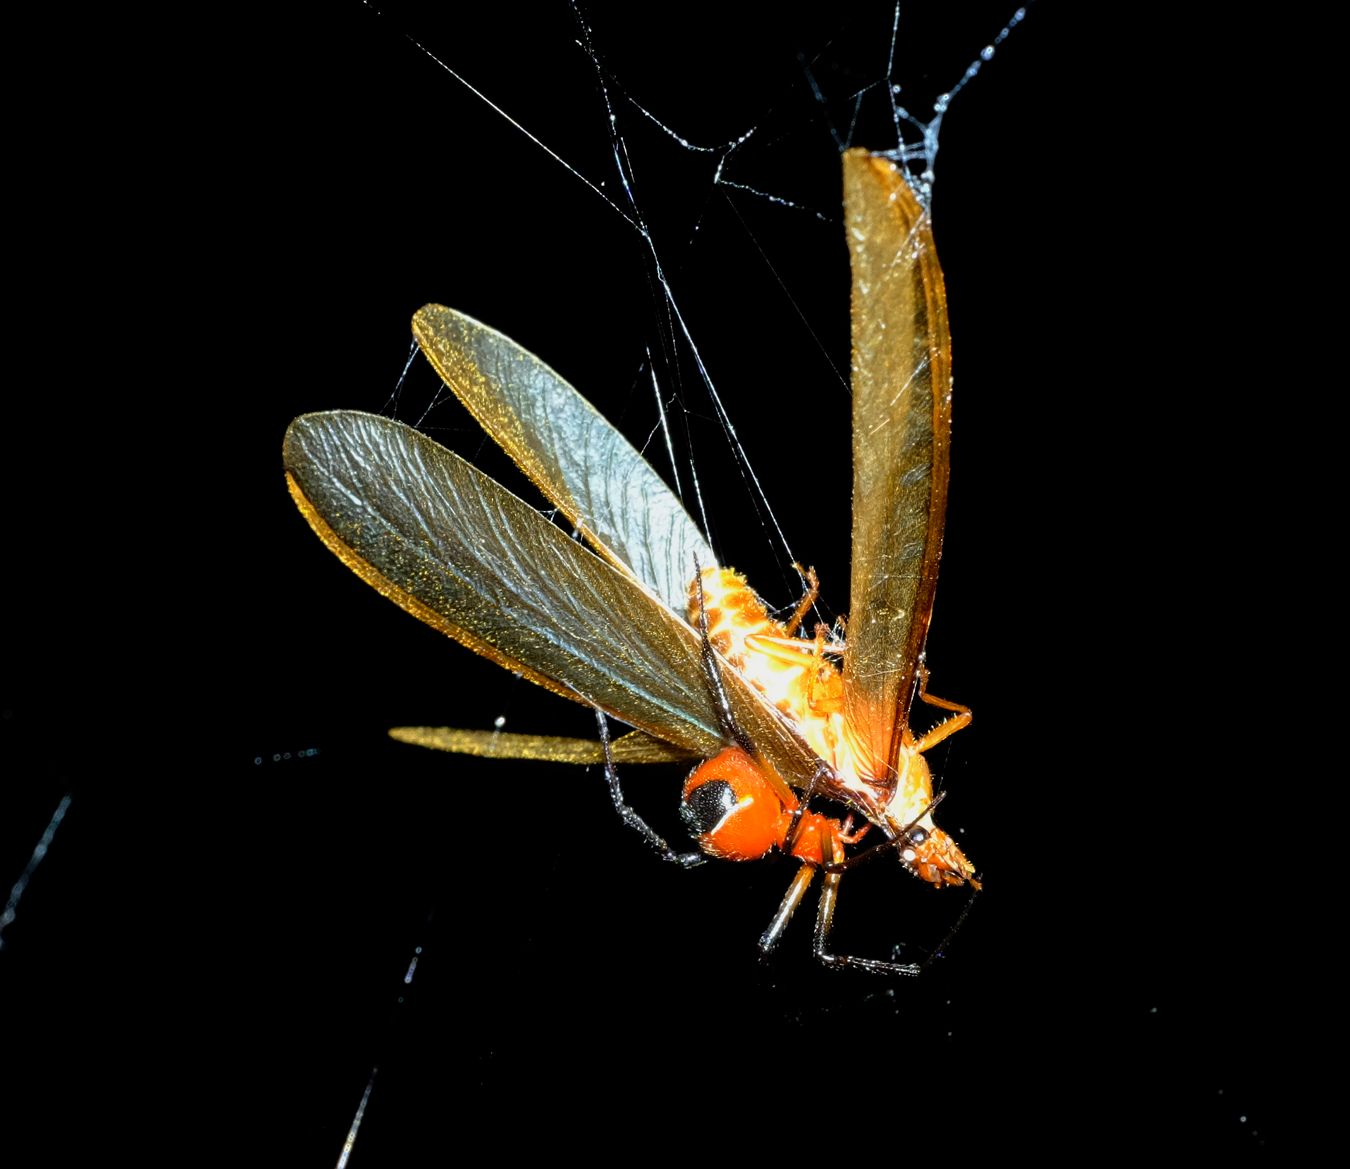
[(796, 891), (804, 605), (822, 770), (900, 840), (829, 896), (685, 859), (947, 727)]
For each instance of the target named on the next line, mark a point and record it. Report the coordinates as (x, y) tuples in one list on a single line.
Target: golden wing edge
[(409, 603), (883, 725), (940, 350), (791, 761), (634, 747)]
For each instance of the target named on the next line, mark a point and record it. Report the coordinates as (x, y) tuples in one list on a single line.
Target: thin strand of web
[(492, 105), (391, 403), (621, 161), (16, 893), (360, 1114), (792, 300), (394, 403), (725, 149), (620, 158), (350, 1143), (986, 55), (623, 165), (811, 81), (768, 198), (437, 398), (924, 151), (663, 422), (891, 87), (636, 221)]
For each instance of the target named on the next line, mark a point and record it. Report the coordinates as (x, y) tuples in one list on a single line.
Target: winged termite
[(645, 626)]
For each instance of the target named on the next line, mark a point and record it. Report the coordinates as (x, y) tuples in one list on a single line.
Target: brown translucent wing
[(635, 747), (575, 457), (466, 556), (901, 434)]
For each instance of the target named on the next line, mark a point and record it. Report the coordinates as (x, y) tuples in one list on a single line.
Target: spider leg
[(685, 859), (829, 898)]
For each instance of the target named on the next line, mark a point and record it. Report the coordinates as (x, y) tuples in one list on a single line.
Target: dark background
[(239, 231)]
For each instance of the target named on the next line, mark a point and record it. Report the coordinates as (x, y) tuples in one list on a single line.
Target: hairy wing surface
[(901, 434), (462, 553), (571, 452)]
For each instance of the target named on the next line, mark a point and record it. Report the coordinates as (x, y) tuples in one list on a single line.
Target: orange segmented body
[(798, 677)]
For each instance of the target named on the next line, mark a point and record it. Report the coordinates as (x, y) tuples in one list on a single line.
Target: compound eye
[(910, 842)]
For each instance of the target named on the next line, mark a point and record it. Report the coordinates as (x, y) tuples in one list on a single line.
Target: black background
[(239, 230)]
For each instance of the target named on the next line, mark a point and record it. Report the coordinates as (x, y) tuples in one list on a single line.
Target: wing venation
[(571, 452), (901, 434), (462, 553)]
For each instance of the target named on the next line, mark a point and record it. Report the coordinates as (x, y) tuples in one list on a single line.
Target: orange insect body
[(797, 677)]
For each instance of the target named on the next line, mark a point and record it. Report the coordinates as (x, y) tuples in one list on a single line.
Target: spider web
[(383, 945), (755, 171)]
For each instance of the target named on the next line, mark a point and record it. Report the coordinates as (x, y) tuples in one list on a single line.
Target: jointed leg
[(793, 898), (829, 896), (948, 727), (804, 605), (906, 838), (822, 770), (686, 859)]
